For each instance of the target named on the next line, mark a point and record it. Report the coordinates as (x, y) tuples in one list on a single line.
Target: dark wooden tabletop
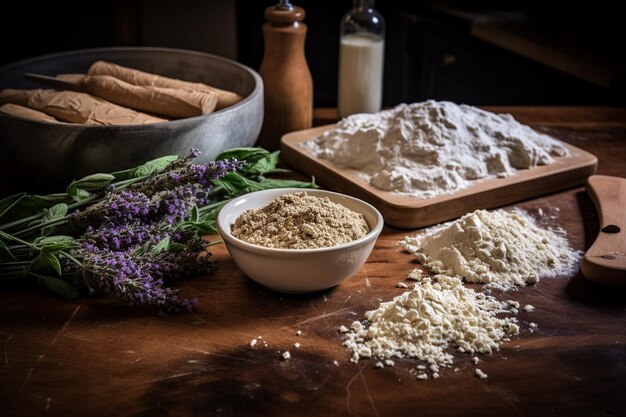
[(93, 357)]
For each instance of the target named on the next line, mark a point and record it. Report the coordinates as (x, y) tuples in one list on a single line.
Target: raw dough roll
[(73, 107), (175, 103), (136, 77), (27, 113)]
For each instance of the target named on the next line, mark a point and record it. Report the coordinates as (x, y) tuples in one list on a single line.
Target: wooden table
[(95, 358)]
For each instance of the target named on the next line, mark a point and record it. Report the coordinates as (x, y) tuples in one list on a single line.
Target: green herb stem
[(71, 258), (85, 201), (56, 222), (12, 264)]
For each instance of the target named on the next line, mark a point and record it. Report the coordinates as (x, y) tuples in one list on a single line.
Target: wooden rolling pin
[(27, 113), (75, 107), (136, 77), (605, 261), (170, 102)]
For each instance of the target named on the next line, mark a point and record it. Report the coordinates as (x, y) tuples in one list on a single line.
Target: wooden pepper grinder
[(286, 77)]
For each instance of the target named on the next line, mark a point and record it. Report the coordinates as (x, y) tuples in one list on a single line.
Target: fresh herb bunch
[(126, 233)]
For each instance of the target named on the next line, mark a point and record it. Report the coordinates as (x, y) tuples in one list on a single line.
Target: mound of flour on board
[(433, 148), (499, 248)]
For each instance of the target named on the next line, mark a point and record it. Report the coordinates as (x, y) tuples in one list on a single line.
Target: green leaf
[(39, 263), (58, 211), (58, 286), (77, 192), (6, 204), (247, 155), (195, 214), (53, 261), (93, 182), (30, 205), (203, 227), (234, 184), (54, 243), (161, 246), (176, 247), (268, 183), (264, 165), (146, 169), (55, 212)]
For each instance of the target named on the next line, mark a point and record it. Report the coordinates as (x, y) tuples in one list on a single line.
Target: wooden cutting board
[(409, 212)]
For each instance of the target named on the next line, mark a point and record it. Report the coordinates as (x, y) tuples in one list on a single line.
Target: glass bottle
[(361, 60)]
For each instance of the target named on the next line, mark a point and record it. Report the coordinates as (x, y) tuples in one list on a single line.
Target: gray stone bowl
[(40, 156)]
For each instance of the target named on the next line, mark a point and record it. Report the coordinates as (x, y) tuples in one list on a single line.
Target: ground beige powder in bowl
[(311, 268), (300, 221)]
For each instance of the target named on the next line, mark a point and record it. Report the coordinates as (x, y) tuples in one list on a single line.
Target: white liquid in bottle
[(361, 59)]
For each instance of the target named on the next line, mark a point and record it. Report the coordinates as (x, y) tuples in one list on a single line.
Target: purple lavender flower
[(136, 279), (176, 204), (182, 171), (117, 207), (121, 237), (118, 252)]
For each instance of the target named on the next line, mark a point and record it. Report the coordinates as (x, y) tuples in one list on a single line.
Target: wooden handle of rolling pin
[(71, 84), (605, 261)]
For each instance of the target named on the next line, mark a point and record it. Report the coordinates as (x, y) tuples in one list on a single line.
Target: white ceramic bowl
[(298, 270)]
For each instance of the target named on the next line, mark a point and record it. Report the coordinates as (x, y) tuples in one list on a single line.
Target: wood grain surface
[(407, 212), (92, 357)]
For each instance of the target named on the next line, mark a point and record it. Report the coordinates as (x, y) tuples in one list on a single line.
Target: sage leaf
[(176, 247), (92, 182), (30, 205), (195, 214), (77, 192), (53, 261), (146, 169), (233, 184), (203, 227), (268, 183), (6, 204), (58, 286), (39, 263), (54, 243), (266, 164), (55, 212), (248, 155), (161, 246)]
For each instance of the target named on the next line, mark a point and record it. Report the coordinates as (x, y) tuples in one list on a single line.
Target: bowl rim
[(258, 84), (227, 236)]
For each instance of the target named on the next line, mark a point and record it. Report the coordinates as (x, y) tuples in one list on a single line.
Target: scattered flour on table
[(433, 148), (440, 312), (499, 248)]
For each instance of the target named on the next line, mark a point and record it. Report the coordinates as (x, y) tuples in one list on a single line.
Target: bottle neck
[(363, 5)]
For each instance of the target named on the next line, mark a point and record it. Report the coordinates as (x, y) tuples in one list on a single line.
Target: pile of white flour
[(499, 248), (433, 148), (425, 322)]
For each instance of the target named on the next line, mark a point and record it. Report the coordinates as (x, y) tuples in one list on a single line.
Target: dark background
[(570, 54)]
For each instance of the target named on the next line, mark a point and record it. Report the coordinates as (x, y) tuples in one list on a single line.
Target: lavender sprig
[(128, 238), (137, 274)]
